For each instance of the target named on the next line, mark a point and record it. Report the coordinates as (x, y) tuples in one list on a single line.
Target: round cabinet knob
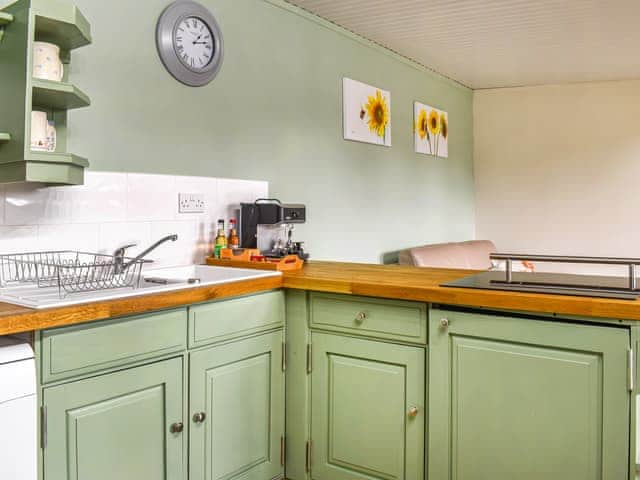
[(413, 412), (199, 417), (361, 317), (177, 427), (444, 322)]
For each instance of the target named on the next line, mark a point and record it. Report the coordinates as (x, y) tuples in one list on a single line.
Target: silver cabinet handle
[(413, 412), (444, 322), (199, 417), (361, 317), (177, 427)]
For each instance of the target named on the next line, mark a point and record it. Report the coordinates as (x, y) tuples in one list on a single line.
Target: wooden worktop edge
[(406, 283), (19, 319), (422, 285)]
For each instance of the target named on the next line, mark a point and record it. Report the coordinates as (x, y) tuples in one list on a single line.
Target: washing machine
[(18, 411)]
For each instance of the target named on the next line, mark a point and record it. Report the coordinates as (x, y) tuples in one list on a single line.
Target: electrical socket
[(191, 203)]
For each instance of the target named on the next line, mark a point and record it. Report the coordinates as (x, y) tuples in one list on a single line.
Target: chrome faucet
[(119, 263)]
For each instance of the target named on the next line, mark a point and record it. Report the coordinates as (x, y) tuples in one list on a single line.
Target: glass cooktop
[(551, 283)]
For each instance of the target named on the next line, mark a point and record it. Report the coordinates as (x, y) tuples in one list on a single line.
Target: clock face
[(189, 42), (194, 43)]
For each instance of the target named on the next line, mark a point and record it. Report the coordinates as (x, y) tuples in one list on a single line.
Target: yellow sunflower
[(378, 113), (421, 124), (434, 122), (444, 126)]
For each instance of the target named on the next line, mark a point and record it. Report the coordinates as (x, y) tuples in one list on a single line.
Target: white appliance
[(18, 411)]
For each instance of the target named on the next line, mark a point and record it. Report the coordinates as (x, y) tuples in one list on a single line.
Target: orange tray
[(251, 258)]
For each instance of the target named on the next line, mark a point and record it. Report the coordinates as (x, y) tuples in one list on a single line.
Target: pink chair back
[(471, 255)]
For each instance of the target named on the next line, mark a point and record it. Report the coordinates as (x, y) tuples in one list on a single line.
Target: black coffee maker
[(267, 224)]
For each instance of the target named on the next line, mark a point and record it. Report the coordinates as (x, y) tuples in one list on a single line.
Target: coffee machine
[(268, 224)]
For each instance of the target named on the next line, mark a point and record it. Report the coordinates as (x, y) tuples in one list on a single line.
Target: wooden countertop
[(14, 319), (423, 284), (385, 281)]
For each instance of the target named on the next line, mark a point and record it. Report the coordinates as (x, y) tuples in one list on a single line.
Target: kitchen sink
[(202, 274), (157, 280)]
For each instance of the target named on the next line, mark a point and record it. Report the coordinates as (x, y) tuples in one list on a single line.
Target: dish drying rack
[(69, 271)]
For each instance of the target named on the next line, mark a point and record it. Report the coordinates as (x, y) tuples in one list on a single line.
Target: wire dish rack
[(69, 271)]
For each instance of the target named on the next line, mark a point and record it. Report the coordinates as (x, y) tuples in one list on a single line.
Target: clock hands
[(197, 42)]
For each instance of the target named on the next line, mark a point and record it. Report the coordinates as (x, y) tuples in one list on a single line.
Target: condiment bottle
[(221, 239), (233, 241)]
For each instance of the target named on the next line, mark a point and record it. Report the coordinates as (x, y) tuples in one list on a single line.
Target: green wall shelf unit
[(58, 95), (66, 26), (25, 22)]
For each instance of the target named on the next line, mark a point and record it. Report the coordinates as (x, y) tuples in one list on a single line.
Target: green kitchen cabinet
[(367, 409), (125, 425), (237, 410), (527, 399)]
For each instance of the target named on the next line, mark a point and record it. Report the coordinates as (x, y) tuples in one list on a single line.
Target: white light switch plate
[(191, 203)]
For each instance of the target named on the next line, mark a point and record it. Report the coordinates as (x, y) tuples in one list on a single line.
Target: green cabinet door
[(516, 398), (367, 409), (117, 426), (239, 387)]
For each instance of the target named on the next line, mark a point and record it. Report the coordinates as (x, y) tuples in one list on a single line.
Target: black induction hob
[(550, 283)]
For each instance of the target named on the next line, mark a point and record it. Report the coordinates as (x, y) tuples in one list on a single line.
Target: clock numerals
[(193, 43), (189, 42)]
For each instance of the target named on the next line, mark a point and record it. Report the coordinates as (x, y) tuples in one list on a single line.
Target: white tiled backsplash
[(114, 209)]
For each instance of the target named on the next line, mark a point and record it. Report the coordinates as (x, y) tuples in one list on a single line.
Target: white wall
[(557, 168), (113, 209)]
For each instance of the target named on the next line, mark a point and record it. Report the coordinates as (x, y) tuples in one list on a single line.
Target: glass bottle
[(233, 241), (221, 239)]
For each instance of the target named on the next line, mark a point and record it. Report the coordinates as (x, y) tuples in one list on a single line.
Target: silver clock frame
[(165, 34)]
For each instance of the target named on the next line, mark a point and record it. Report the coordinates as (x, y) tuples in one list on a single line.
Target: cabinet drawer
[(371, 317), (227, 319), (77, 350)]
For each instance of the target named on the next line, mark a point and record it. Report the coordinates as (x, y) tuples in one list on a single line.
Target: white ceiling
[(499, 43)]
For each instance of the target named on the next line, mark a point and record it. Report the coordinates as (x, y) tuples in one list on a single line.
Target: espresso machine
[(268, 224)]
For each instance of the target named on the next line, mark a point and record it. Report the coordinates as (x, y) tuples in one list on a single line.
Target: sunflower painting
[(431, 130), (367, 113)]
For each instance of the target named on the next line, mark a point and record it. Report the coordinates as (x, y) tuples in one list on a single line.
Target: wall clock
[(189, 43)]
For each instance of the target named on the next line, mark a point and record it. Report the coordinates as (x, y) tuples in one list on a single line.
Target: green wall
[(275, 113)]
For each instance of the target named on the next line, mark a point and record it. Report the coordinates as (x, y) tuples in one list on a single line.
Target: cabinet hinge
[(283, 450), (308, 457), (630, 370), (43, 427), (284, 356), (309, 353)]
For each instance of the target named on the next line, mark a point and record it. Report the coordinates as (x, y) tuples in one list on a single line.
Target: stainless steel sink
[(153, 281)]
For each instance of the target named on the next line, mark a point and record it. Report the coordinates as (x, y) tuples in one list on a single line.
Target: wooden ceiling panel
[(500, 43)]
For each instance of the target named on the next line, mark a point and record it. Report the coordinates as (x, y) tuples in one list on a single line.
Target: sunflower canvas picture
[(367, 113), (431, 130)]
